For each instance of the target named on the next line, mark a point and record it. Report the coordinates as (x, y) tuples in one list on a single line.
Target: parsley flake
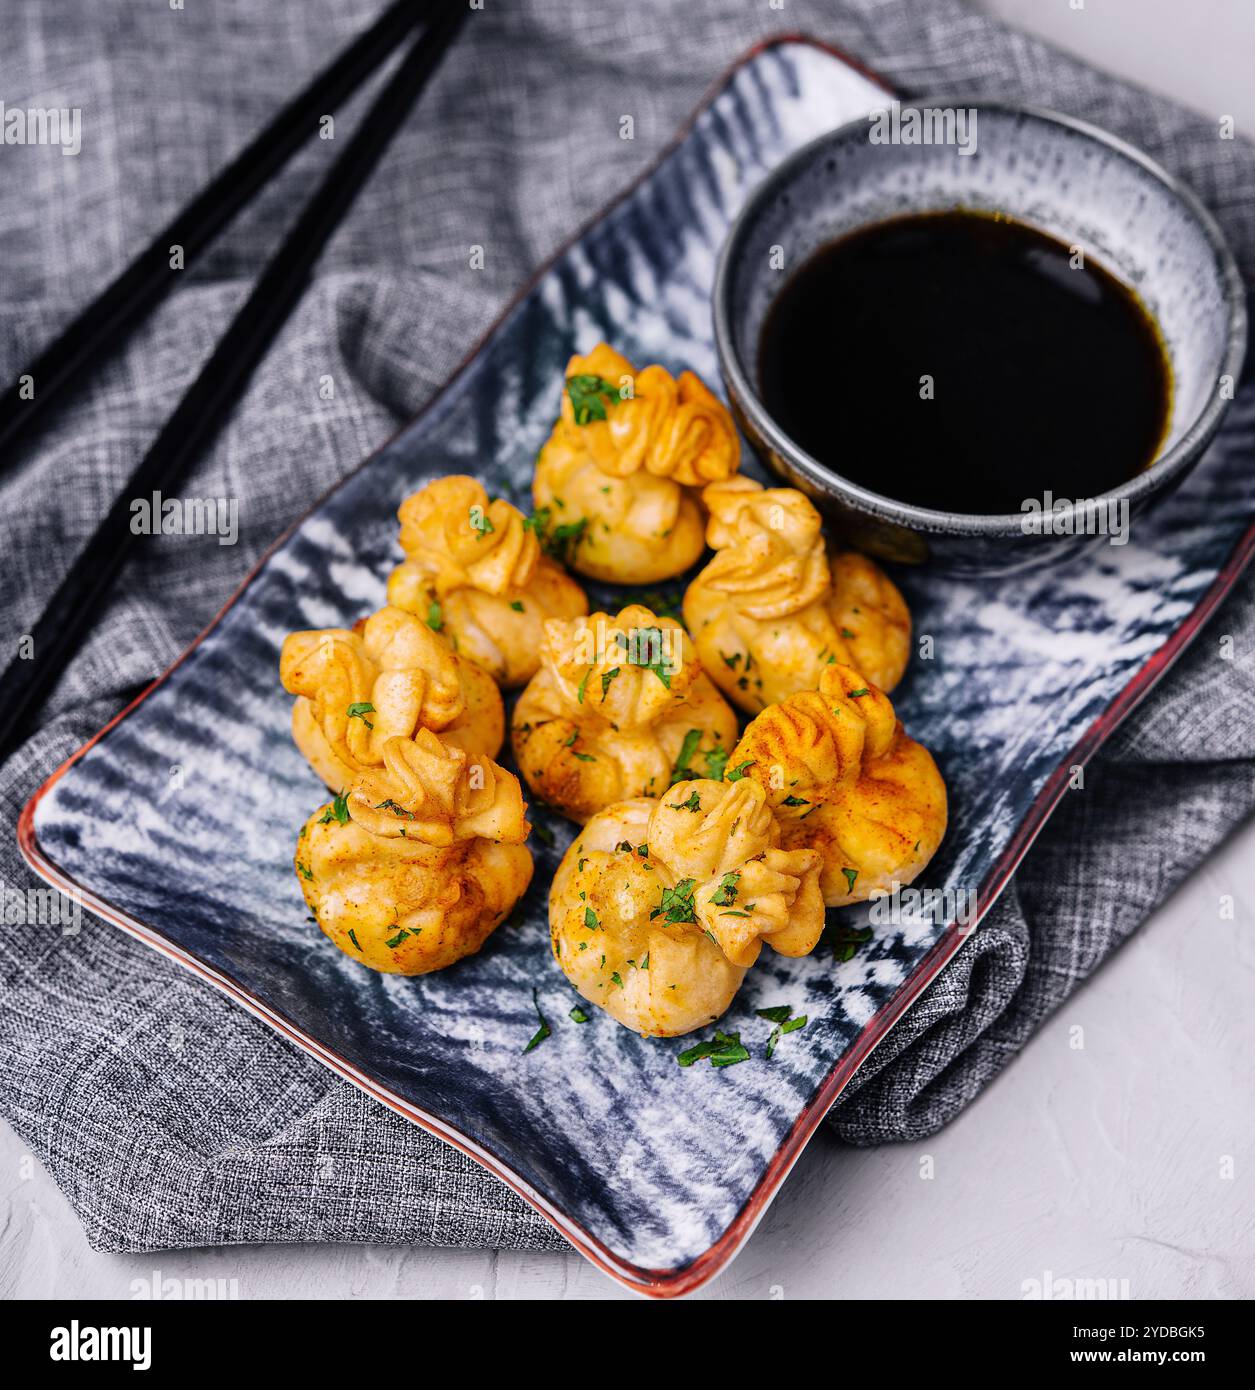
[(677, 903), (725, 894), (590, 395), (360, 710), (681, 770), (337, 811), (723, 1050), (542, 1032)]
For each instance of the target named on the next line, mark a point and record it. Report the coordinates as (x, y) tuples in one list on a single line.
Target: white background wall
[(1202, 52)]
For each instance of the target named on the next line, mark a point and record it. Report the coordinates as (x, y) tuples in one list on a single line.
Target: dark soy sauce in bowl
[(1044, 377)]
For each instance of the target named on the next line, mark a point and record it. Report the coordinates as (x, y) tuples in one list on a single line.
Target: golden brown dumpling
[(421, 861), (844, 779), (475, 570), (773, 606), (660, 906), (619, 705), (617, 482), (357, 689)]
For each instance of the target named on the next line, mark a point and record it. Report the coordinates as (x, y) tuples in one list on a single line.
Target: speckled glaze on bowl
[(1068, 178)]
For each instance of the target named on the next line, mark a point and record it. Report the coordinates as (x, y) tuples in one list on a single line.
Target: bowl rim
[(1170, 465)]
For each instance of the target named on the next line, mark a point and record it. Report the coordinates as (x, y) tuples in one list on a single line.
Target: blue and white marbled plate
[(656, 1172)]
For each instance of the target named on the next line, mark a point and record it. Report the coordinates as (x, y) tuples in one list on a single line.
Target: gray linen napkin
[(168, 1116)]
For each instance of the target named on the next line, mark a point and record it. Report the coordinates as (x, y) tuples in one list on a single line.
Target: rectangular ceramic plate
[(657, 1173)]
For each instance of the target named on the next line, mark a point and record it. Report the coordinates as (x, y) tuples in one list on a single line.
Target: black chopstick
[(96, 331), (205, 406)]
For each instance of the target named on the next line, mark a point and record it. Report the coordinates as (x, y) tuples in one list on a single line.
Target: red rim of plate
[(657, 1283)]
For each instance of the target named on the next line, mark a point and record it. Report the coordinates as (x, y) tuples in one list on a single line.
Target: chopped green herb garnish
[(353, 939), (542, 1032), (794, 801), (781, 1016), (680, 770), (736, 773), (662, 603), (590, 395), (692, 804), (723, 1050), (590, 919), (479, 522), (561, 542), (725, 894), (851, 877), (393, 942), (565, 539), (677, 903), (858, 694), (337, 811), (516, 604), (645, 649), (360, 710), (606, 678), (845, 941), (577, 1015), (716, 763), (435, 618)]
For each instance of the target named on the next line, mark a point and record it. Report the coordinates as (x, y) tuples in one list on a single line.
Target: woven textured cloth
[(168, 1116)]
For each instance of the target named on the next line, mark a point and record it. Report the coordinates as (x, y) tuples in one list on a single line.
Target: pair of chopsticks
[(204, 408)]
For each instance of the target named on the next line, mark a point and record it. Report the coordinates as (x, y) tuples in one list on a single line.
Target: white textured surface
[(1200, 52), (1097, 1162)]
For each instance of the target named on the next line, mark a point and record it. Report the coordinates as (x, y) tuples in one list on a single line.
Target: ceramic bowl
[(1070, 180)]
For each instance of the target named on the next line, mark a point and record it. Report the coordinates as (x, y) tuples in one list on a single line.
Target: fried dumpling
[(357, 689), (659, 907), (774, 606), (474, 569), (617, 482), (421, 861), (619, 706), (844, 779)]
